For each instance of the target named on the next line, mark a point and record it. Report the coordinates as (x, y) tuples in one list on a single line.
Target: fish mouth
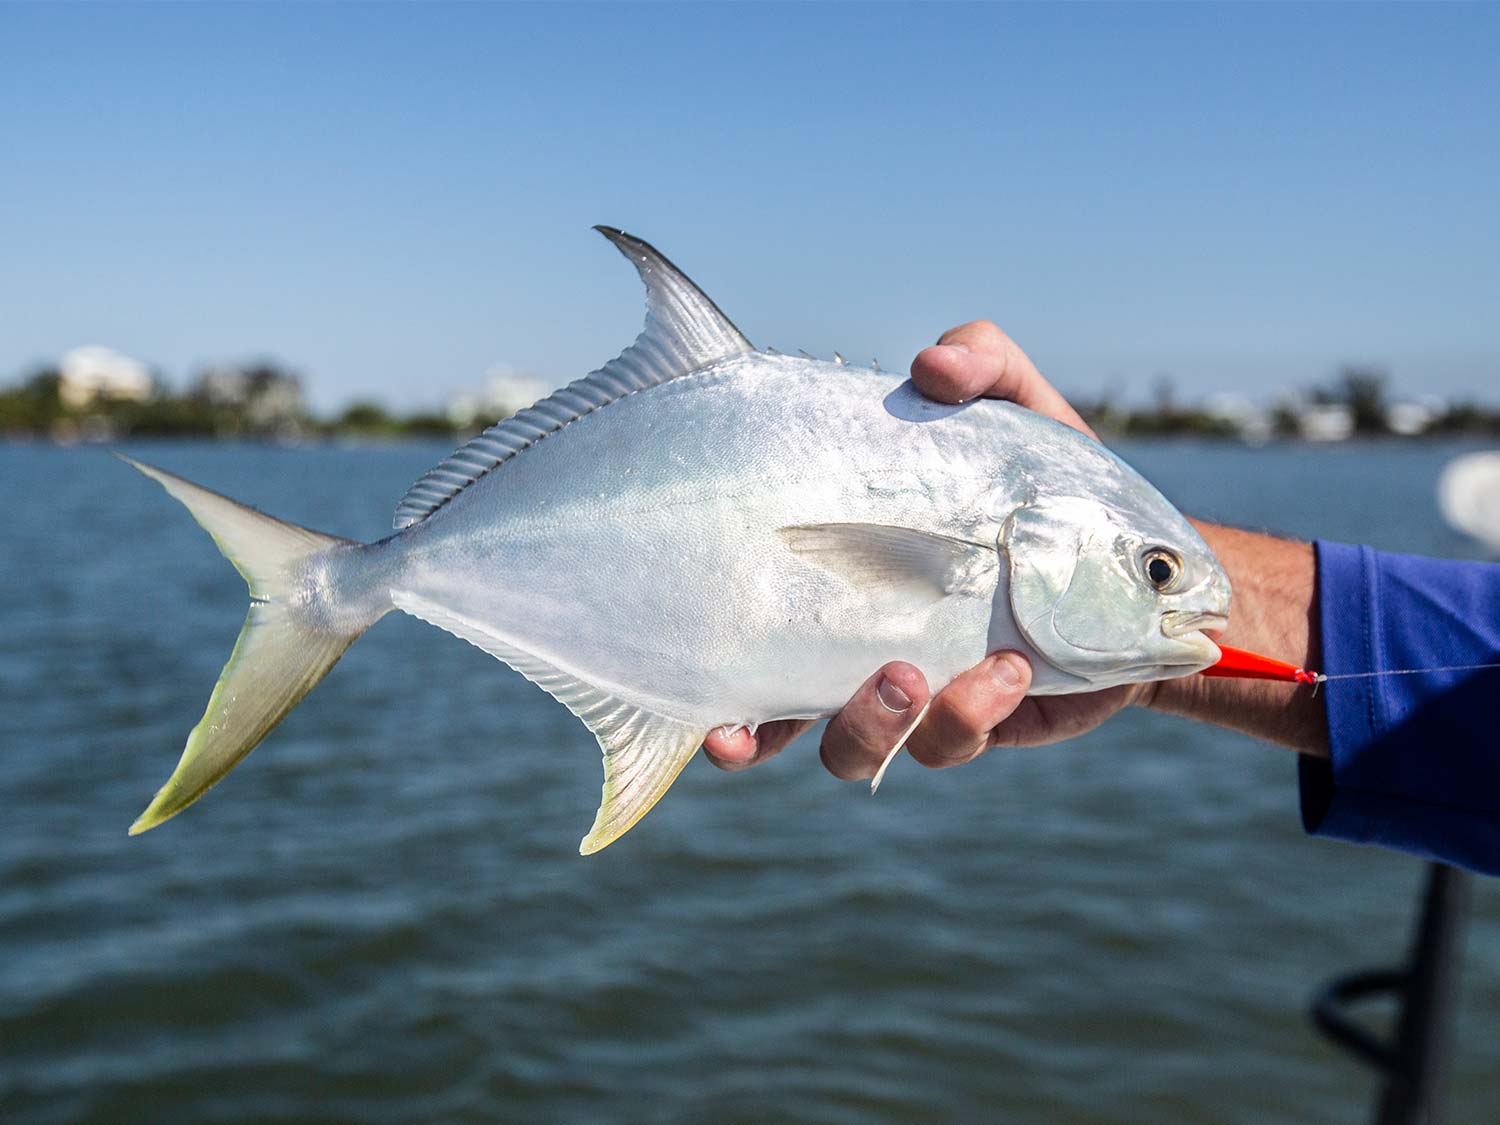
[(1180, 622)]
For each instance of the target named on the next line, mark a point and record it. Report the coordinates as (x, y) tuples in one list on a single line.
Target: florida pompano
[(701, 533)]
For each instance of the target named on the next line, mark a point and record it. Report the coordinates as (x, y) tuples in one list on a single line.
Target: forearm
[(1275, 612)]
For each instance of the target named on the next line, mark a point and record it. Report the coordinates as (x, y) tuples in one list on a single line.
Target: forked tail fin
[(292, 636)]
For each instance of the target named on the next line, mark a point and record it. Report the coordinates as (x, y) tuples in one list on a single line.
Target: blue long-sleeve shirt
[(1415, 759)]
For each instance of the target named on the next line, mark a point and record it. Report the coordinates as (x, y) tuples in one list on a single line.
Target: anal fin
[(643, 754), (644, 751)]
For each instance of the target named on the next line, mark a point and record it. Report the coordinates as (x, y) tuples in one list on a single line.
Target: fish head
[(1115, 592)]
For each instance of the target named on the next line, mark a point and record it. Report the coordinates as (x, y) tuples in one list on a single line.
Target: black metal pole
[(1413, 1063)]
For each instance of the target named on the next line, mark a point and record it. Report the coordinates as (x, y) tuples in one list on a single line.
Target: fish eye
[(1161, 566)]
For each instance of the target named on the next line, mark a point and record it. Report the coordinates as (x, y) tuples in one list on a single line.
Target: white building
[(1251, 422), (101, 373), (266, 396), (506, 391), (1326, 422), (1411, 418)]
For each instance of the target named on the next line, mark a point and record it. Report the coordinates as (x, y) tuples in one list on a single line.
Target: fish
[(701, 533)]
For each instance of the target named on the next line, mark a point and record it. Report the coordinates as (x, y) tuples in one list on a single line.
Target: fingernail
[(892, 698), (957, 346), (1009, 668)]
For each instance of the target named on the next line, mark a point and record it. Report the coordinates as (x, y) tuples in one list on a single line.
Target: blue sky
[(393, 200)]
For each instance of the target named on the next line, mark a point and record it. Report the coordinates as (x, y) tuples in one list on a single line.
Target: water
[(381, 915)]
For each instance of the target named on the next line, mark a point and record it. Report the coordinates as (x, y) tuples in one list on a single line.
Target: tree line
[(264, 401)]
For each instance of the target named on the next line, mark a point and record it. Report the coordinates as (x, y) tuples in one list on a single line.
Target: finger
[(731, 748), (860, 736), (958, 724), (736, 748), (983, 360), (977, 359)]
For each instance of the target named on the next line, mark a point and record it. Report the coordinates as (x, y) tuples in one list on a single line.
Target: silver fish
[(700, 533)]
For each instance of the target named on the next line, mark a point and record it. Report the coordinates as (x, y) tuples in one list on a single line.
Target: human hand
[(987, 705)]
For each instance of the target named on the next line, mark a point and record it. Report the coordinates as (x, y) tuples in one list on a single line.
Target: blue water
[(381, 914)]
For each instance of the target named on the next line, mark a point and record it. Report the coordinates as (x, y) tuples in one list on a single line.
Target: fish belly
[(683, 616)]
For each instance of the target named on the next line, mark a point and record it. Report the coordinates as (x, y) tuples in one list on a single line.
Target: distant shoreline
[(265, 404), (356, 439)]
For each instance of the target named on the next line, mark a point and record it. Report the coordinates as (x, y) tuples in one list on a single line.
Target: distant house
[(506, 391), (1251, 422), (1326, 422), (222, 386), (1414, 417), (95, 373), (264, 396)]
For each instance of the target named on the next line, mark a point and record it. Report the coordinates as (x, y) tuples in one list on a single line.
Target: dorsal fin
[(684, 331)]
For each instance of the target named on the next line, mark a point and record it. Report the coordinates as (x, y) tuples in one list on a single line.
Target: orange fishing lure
[(1238, 664)]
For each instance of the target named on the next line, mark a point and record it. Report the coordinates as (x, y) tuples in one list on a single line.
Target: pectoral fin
[(643, 751), (896, 560)]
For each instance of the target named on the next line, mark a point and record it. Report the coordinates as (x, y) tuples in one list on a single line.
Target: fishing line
[(1319, 678), (1322, 678)]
